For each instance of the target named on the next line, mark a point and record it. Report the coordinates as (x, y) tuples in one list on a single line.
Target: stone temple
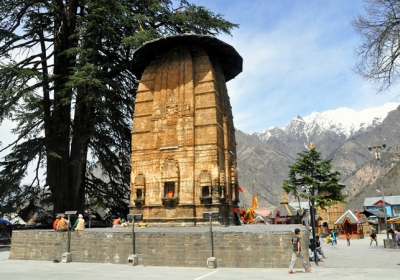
[(183, 138)]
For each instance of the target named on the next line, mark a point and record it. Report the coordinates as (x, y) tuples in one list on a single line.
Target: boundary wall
[(251, 246)]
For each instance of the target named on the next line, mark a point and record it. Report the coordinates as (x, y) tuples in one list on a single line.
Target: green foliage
[(309, 176), (65, 81)]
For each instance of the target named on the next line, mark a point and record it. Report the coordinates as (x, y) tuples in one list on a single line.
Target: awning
[(395, 220), (376, 213)]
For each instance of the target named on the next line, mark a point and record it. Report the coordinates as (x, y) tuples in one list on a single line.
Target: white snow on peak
[(345, 120), (267, 133)]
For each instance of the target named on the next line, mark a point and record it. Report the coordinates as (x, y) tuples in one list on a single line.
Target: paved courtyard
[(358, 261)]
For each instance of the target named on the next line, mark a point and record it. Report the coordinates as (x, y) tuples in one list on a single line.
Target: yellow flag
[(312, 146), (255, 203)]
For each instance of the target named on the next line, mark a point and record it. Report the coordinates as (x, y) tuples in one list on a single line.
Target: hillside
[(265, 156)]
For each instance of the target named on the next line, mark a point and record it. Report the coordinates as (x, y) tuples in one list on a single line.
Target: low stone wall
[(258, 246)]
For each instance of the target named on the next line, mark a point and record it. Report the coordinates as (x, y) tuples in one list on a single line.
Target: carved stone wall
[(183, 138)]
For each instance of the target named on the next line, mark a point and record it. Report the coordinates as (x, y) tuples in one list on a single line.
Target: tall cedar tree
[(309, 173), (65, 82), (378, 54)]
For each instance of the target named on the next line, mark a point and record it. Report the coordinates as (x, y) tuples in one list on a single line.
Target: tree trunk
[(83, 127), (58, 142)]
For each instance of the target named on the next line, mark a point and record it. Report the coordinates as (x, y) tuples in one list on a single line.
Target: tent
[(6, 222)]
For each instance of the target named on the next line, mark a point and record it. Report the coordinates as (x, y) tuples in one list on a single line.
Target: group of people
[(332, 237), (395, 234), (314, 250), (316, 247), (62, 224)]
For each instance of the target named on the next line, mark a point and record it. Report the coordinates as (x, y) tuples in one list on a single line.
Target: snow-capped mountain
[(342, 135), (329, 129), (343, 121)]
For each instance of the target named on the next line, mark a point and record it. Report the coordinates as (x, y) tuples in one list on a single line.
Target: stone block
[(388, 243), (133, 260), (66, 257), (212, 262)]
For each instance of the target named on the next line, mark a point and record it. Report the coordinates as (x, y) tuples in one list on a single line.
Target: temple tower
[(183, 138)]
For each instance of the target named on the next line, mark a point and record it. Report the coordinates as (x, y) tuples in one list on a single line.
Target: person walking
[(333, 238), (296, 242), (348, 236), (373, 237), (336, 234)]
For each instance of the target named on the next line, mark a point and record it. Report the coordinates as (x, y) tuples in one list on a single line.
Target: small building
[(284, 213), (392, 204), (376, 219), (350, 223)]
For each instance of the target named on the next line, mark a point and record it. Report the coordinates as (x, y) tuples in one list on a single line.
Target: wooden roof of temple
[(229, 59), (283, 209), (349, 216)]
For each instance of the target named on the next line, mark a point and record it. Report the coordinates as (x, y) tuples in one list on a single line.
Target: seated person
[(311, 254), (117, 223), (55, 223), (328, 239), (319, 248), (79, 223), (63, 223)]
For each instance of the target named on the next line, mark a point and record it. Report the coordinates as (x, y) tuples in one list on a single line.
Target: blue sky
[(298, 57)]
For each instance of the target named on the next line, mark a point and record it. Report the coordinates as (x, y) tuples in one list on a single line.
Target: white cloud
[(298, 58)]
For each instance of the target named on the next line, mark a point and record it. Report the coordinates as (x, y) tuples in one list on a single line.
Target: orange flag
[(255, 202)]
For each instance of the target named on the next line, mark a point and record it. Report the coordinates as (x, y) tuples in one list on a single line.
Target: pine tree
[(65, 81), (312, 178)]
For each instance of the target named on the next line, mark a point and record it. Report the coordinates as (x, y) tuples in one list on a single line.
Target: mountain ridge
[(264, 157)]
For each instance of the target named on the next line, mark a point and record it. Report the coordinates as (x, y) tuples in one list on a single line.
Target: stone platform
[(250, 246)]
